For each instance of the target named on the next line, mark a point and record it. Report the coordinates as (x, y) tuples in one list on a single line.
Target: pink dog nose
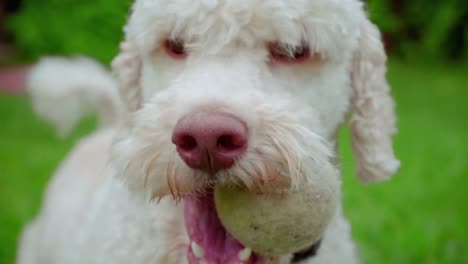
[(210, 141)]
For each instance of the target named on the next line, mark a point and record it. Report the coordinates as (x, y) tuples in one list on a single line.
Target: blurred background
[(418, 217)]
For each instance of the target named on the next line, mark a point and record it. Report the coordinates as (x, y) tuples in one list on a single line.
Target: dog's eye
[(175, 48), (284, 53)]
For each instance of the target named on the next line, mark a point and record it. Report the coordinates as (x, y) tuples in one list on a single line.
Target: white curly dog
[(210, 91)]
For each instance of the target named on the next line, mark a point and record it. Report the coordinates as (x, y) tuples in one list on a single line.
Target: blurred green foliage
[(432, 30), (436, 29), (90, 27)]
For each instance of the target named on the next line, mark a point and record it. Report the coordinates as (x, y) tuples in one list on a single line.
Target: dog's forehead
[(329, 26)]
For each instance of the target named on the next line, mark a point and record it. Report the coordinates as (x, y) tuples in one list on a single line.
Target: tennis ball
[(277, 224)]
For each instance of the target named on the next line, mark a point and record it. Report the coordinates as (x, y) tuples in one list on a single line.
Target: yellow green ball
[(277, 224)]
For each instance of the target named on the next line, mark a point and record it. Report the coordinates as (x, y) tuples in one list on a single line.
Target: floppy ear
[(127, 69), (373, 121)]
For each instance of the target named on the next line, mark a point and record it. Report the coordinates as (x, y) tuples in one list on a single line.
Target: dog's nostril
[(210, 141), (228, 143), (187, 143)]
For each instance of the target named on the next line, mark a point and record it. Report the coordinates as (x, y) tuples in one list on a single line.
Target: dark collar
[(306, 253)]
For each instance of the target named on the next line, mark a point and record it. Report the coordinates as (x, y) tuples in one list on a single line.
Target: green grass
[(418, 217)]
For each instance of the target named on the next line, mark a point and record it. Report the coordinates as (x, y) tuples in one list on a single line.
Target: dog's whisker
[(170, 179), (148, 169), (288, 157), (176, 176)]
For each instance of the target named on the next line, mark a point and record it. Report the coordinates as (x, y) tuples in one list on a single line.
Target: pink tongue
[(205, 229)]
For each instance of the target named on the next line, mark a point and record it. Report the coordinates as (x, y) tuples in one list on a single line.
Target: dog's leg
[(27, 245)]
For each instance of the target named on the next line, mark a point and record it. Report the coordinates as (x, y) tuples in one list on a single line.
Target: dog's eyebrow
[(307, 253)]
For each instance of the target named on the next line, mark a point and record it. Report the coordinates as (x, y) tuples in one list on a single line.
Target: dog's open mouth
[(210, 242)]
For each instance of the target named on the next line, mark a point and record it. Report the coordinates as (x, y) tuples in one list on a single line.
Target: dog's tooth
[(197, 250), (245, 254)]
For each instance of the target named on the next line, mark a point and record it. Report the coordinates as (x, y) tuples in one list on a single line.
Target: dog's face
[(249, 92)]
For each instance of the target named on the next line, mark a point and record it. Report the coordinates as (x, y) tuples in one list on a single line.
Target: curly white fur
[(292, 113), (373, 122), (128, 70)]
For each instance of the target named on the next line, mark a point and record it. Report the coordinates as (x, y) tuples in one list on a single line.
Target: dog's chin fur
[(292, 112)]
